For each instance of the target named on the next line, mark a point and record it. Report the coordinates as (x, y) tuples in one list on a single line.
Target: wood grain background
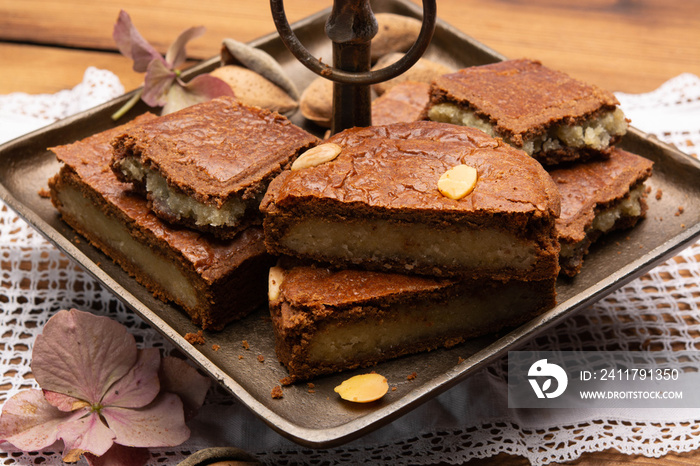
[(625, 45)]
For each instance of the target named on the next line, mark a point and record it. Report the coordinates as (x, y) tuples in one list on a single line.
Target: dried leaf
[(120, 455), (259, 61)]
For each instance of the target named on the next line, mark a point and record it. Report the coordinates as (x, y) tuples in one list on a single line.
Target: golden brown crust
[(391, 173), (215, 149), (348, 287), (395, 169), (590, 187), (522, 97)]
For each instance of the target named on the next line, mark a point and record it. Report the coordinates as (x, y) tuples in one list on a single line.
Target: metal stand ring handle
[(358, 78)]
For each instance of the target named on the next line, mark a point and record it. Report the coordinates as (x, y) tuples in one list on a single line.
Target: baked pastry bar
[(377, 205), (544, 112), (403, 103), (329, 320), (214, 281), (597, 197), (208, 165)]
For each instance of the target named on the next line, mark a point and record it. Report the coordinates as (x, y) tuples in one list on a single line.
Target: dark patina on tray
[(321, 419)]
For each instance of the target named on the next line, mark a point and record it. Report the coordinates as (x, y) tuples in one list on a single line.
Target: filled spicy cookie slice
[(207, 166), (548, 114), (421, 198)]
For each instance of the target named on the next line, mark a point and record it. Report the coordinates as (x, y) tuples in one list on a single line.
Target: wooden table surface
[(622, 45)]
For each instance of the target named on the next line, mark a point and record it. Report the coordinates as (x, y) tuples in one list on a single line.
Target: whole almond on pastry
[(457, 182), (316, 156)]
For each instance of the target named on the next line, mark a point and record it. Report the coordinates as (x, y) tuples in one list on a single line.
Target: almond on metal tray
[(363, 388)]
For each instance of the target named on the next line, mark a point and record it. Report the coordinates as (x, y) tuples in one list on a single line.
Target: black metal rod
[(370, 77), (351, 26)]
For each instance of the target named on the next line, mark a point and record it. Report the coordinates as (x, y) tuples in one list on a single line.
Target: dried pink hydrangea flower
[(162, 84), (100, 393)]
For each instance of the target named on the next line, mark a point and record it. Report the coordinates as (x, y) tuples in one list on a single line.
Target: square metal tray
[(321, 419)]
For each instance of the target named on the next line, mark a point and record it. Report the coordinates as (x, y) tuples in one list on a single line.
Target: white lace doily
[(471, 420)]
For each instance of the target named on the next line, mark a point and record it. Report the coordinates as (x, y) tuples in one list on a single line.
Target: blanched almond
[(458, 181), (316, 156), (363, 388), (274, 282)]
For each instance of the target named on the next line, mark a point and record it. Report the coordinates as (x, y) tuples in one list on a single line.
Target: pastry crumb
[(412, 376), (245, 345), (195, 338), (277, 392), (680, 210), (287, 381), (261, 358), (216, 347), (45, 193), (460, 360), (659, 194), (240, 356)]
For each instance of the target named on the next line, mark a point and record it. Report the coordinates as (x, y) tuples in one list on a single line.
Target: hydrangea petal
[(200, 89), (178, 377), (131, 43), (29, 422), (176, 54), (82, 355), (120, 455), (85, 434), (64, 402), (158, 81), (140, 385), (160, 424)]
